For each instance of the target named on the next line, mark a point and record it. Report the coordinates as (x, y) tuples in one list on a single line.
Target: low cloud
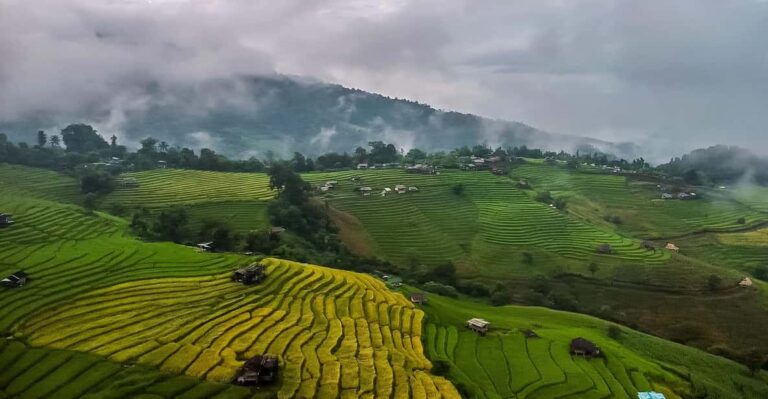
[(669, 75)]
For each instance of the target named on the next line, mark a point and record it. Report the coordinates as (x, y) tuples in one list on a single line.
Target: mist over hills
[(249, 116)]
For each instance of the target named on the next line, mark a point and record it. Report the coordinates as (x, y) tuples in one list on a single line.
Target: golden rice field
[(336, 333)]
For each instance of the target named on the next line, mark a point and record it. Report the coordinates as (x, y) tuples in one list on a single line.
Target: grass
[(506, 364)]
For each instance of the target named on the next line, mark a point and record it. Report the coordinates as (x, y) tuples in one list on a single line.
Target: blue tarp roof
[(650, 395)]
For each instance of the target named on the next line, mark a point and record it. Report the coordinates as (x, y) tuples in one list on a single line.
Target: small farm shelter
[(530, 333), (418, 298), (650, 395), (5, 220), (362, 166), (604, 249), (400, 188), (478, 325), (584, 347), (162, 164), (251, 274), (205, 246), (366, 190), (324, 188), (15, 280), (259, 370), (649, 245), (276, 231), (413, 189), (672, 247), (331, 183), (745, 282), (667, 196)]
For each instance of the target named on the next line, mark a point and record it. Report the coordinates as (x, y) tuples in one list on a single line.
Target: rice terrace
[(205, 200)]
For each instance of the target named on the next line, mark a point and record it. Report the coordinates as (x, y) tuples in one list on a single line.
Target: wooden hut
[(259, 370), (584, 347), (252, 274), (480, 326)]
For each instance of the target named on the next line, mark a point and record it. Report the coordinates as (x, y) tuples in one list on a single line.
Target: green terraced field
[(485, 229), (38, 183), (595, 195), (165, 187), (505, 364)]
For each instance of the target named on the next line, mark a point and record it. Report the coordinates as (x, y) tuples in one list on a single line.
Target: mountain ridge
[(252, 115)]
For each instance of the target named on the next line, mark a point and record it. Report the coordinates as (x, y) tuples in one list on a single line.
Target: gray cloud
[(670, 75)]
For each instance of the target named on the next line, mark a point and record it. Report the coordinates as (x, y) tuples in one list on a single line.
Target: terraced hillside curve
[(336, 333)]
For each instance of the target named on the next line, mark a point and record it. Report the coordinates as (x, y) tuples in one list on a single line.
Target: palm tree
[(163, 146)]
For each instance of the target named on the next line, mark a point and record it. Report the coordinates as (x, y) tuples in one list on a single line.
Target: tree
[(163, 146), (55, 141), (82, 138), (713, 282), (148, 145), (458, 189), (89, 202), (544, 196), (42, 139), (593, 268), (741, 221), (113, 141), (440, 367), (169, 224), (97, 182)]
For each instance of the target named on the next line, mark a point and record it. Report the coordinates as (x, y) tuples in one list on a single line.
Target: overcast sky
[(669, 74)]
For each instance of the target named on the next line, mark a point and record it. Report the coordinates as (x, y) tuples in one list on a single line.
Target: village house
[(5, 220), (605, 249), (275, 231), (162, 164), (479, 326), (362, 166), (259, 370), (251, 274), (15, 280), (205, 246), (583, 347), (745, 282), (418, 298), (672, 247)]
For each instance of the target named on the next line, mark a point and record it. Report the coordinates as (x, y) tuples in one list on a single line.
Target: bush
[(560, 204), (458, 188), (615, 219), (544, 196), (527, 258), (441, 289), (89, 202), (741, 221), (713, 282), (440, 367), (614, 331), (500, 298), (761, 272)]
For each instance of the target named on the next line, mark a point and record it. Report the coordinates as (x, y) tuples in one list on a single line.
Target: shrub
[(614, 331), (527, 258), (741, 221), (442, 289), (615, 219), (761, 272), (500, 298), (440, 367), (544, 196), (713, 282), (458, 188)]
